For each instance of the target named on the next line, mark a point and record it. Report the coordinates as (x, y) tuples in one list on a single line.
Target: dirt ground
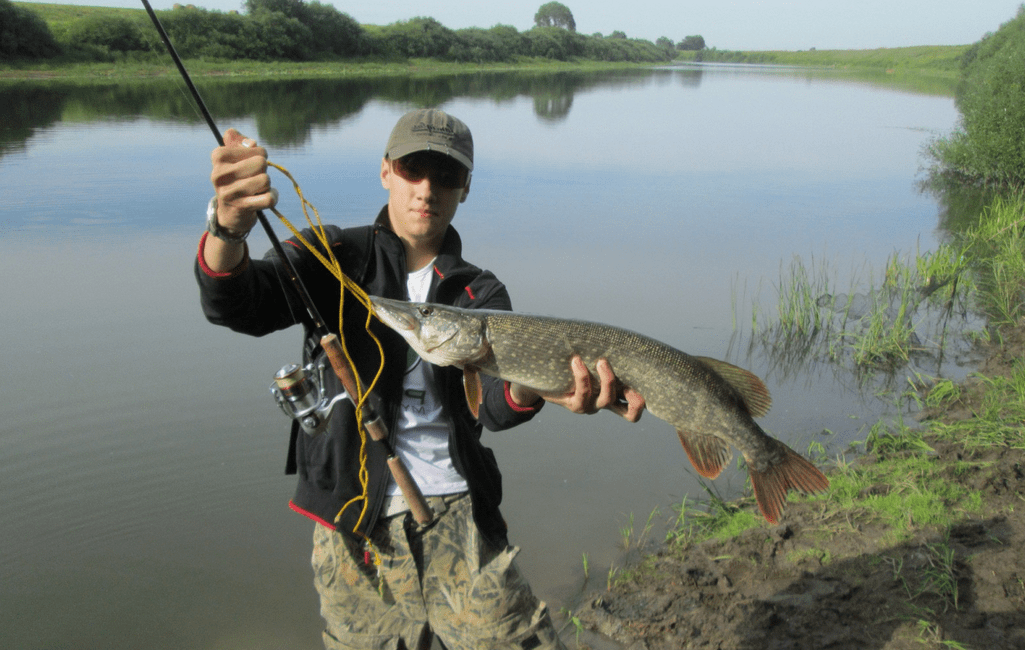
[(769, 589)]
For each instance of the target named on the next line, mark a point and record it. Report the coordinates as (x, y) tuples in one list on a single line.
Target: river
[(143, 502)]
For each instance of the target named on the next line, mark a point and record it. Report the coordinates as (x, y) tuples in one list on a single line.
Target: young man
[(384, 580)]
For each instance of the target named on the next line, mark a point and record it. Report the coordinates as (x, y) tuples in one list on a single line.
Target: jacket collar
[(450, 258)]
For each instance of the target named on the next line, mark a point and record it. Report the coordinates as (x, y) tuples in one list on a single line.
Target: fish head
[(443, 335)]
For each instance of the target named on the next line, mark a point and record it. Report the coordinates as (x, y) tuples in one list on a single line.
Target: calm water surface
[(142, 496)]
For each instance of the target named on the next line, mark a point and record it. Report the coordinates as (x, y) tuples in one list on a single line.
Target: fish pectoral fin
[(793, 472), (473, 389), (708, 454), (754, 393)]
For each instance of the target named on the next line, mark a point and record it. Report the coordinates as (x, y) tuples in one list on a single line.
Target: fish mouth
[(440, 344), (396, 314)]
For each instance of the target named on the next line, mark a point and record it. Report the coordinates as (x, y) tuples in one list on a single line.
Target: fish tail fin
[(708, 454), (794, 472)]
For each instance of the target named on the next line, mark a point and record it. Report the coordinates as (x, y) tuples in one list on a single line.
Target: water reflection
[(28, 108), (286, 110), (959, 204)]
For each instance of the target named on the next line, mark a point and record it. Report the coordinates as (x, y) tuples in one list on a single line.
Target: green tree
[(555, 14), (202, 33), (419, 37), (334, 31), (692, 43), (331, 31), (602, 49), (291, 8), (477, 45), (553, 43), (511, 39), (284, 37), (111, 33), (24, 34)]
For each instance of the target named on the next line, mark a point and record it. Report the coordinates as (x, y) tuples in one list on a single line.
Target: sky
[(724, 24)]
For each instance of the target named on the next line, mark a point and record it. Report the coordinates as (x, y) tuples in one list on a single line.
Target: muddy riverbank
[(838, 579)]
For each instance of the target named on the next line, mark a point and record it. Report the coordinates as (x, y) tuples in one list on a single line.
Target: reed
[(994, 247), (879, 324)]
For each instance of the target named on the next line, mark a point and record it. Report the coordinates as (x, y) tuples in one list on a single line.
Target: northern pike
[(711, 403)]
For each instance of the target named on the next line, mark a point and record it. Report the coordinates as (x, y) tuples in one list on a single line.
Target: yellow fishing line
[(331, 263)]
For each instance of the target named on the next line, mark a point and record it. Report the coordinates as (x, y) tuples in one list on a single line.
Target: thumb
[(233, 138)]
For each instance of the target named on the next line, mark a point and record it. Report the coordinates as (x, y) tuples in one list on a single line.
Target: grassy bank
[(919, 542), (938, 59), (260, 69), (932, 70), (896, 62), (922, 80), (981, 270)]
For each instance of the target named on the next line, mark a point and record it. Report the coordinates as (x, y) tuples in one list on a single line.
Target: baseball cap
[(431, 130)]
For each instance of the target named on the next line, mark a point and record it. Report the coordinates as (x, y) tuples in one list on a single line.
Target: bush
[(334, 31), (265, 36), (553, 43), (623, 49), (475, 45), (111, 33), (24, 34), (611, 49), (419, 38), (283, 37), (989, 145), (201, 33)]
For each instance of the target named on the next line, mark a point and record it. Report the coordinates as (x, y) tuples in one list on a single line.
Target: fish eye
[(426, 311)]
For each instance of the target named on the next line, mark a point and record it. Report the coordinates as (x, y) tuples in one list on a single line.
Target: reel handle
[(378, 431)]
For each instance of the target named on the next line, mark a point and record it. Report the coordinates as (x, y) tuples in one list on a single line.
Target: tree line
[(300, 30)]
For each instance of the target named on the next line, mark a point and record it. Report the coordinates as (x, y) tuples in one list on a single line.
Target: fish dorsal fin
[(754, 393), (473, 388), (708, 454)]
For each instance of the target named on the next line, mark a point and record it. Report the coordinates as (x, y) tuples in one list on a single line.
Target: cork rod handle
[(379, 432)]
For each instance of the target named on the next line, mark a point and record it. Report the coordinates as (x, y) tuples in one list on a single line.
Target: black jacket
[(257, 299)]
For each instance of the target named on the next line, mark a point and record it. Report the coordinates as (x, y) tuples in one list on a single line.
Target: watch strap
[(215, 229)]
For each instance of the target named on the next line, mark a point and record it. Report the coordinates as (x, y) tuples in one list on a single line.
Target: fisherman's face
[(424, 190)]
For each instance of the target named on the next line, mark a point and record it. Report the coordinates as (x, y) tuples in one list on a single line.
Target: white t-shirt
[(423, 429)]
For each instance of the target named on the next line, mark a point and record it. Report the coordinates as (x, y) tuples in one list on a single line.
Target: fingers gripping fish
[(711, 403)]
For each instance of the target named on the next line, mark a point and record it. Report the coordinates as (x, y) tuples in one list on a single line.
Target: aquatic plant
[(877, 325), (994, 247)]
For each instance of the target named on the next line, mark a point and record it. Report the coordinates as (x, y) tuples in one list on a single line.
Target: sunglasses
[(442, 170)]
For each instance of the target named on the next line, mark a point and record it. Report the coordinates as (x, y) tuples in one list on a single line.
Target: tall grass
[(874, 324), (996, 248)]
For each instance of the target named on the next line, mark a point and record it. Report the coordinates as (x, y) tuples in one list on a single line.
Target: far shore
[(937, 62)]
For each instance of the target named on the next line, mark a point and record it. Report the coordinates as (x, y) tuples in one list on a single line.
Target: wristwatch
[(215, 229)]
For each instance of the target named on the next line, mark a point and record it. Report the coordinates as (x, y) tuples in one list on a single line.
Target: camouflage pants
[(444, 579)]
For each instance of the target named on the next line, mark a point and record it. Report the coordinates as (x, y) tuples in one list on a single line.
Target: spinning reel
[(299, 391)]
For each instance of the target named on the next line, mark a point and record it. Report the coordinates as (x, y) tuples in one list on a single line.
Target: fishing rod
[(313, 320), (295, 387)]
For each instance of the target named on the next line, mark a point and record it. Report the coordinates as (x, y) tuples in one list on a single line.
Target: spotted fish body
[(711, 403)]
